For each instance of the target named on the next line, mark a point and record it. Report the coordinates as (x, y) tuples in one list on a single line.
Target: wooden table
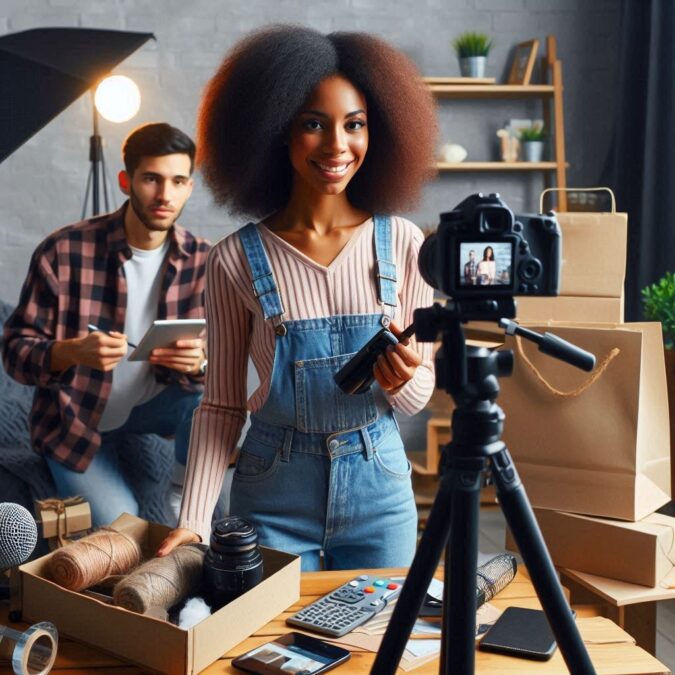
[(617, 658), (630, 606)]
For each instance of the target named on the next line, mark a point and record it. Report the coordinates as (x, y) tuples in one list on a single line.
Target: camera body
[(482, 250)]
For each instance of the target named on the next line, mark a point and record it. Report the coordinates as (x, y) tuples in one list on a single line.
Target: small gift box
[(62, 519)]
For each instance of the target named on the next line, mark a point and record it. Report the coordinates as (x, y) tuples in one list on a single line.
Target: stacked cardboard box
[(641, 552)]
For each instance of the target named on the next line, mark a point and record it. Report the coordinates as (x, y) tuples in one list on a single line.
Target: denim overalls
[(320, 470)]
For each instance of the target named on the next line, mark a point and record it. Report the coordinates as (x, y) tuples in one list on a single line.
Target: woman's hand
[(177, 537), (397, 365)]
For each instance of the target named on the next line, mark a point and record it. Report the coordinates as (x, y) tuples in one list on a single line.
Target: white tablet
[(163, 332)]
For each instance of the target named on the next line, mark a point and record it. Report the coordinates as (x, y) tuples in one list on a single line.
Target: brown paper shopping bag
[(591, 443), (593, 267)]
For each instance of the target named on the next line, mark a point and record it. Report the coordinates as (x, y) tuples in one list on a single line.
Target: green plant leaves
[(659, 305), (472, 44)]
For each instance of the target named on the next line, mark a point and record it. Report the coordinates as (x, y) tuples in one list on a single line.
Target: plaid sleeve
[(185, 300), (30, 331)]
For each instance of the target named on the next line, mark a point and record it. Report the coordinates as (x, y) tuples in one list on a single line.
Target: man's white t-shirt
[(133, 382)]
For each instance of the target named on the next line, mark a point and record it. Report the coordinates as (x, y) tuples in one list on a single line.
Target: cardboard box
[(148, 641), (637, 553), (570, 308)]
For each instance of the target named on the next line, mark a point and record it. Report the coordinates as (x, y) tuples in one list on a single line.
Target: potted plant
[(472, 50), (532, 140), (659, 305)]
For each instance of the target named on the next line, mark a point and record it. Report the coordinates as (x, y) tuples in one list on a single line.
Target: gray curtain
[(641, 162)]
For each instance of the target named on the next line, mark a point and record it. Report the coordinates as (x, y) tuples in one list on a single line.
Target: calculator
[(348, 606)]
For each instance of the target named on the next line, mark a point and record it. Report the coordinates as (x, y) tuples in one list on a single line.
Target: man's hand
[(397, 365), (102, 351), (185, 356), (177, 537)]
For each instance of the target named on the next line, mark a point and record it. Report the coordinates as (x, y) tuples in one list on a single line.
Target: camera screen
[(485, 263)]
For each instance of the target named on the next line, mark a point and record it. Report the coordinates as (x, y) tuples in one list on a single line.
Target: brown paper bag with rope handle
[(591, 443)]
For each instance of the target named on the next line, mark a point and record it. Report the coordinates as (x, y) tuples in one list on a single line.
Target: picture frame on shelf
[(523, 62)]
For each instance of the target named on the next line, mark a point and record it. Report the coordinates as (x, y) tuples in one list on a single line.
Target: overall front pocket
[(321, 406)]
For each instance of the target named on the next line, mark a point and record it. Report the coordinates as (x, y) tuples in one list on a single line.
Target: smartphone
[(292, 654), (520, 632)]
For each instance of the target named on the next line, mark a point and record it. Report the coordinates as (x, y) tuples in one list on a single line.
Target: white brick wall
[(42, 184)]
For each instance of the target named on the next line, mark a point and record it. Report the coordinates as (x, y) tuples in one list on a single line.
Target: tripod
[(470, 375)]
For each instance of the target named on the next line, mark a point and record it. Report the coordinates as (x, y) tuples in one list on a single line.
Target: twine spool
[(161, 582), (93, 558)]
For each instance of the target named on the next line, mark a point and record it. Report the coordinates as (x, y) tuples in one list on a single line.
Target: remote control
[(348, 606)]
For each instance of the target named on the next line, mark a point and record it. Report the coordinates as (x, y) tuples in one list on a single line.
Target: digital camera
[(482, 250)]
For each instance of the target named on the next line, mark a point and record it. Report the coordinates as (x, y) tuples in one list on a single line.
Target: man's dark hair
[(248, 106), (155, 140)]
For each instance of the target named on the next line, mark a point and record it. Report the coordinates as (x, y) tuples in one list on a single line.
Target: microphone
[(18, 535), (494, 576), (491, 577)]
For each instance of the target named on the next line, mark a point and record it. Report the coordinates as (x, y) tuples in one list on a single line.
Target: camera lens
[(426, 261), (233, 564)]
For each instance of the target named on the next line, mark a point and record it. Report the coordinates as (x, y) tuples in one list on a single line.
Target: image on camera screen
[(485, 263)]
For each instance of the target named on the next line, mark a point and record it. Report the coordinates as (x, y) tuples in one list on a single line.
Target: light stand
[(470, 375), (97, 171)]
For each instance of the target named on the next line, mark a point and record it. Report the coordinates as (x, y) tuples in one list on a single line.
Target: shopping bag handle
[(591, 189), (592, 379)]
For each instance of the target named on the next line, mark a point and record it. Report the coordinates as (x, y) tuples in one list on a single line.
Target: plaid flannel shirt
[(76, 278)]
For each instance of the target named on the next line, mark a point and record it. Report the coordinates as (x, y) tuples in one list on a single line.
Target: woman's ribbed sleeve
[(218, 421), (413, 294)]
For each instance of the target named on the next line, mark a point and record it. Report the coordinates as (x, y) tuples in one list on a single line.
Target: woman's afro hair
[(248, 107)]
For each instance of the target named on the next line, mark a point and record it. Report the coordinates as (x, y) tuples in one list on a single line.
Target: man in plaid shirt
[(118, 272)]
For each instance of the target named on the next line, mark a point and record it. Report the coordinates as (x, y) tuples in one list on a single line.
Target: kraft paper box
[(639, 553), (148, 641), (569, 308)]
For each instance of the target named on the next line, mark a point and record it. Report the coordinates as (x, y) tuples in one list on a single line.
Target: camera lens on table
[(233, 564)]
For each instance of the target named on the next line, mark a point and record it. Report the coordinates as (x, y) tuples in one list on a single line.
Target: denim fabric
[(321, 472), (103, 484)]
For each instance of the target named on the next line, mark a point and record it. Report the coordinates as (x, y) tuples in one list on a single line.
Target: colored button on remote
[(392, 587), (368, 589)]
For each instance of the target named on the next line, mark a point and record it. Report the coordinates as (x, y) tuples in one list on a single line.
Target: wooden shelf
[(497, 166), (549, 94), (491, 90)]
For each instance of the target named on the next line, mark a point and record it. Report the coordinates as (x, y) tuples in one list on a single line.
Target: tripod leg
[(526, 532), (458, 640), (417, 582)]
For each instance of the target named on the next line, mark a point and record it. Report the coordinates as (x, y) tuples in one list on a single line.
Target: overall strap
[(264, 285), (385, 267)]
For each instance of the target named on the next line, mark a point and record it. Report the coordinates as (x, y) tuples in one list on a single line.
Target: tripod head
[(470, 373)]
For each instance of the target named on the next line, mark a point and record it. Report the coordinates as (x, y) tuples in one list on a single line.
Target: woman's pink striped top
[(237, 330)]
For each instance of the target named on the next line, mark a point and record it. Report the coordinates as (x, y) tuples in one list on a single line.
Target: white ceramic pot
[(533, 151), (472, 66)]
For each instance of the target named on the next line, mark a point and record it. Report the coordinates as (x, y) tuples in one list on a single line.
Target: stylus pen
[(93, 328)]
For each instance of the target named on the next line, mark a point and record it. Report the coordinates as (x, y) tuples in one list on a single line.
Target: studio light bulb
[(117, 98)]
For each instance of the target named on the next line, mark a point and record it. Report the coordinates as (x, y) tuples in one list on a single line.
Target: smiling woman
[(320, 136)]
